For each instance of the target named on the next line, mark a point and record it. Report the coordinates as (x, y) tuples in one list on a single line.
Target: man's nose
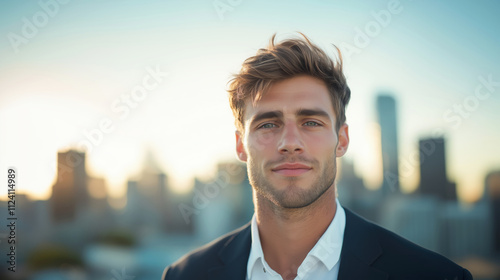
[(291, 139)]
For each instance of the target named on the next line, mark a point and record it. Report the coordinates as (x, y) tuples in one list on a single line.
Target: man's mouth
[(291, 169)]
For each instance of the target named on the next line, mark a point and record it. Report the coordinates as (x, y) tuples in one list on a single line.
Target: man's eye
[(311, 123), (267, 125)]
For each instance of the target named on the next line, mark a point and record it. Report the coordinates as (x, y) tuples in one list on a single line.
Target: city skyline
[(138, 76)]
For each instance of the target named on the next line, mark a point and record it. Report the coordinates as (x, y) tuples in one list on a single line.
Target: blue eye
[(311, 123), (267, 125)]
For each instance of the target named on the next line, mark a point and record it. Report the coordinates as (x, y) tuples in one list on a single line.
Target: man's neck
[(287, 235)]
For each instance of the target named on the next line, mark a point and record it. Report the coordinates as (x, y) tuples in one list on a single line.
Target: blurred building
[(433, 179), (349, 186), (151, 204), (222, 203), (235, 173), (146, 198), (416, 218), (43, 221), (353, 194), (464, 232), (99, 208), (175, 223), (386, 109), (492, 199), (69, 193), (133, 210)]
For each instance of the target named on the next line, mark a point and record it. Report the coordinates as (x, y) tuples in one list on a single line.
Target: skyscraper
[(69, 193), (386, 109), (433, 179)]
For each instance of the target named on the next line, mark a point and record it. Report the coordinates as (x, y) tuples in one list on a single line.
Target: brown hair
[(287, 59)]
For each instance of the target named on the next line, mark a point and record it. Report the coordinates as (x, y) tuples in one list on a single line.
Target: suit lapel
[(359, 250), (233, 257)]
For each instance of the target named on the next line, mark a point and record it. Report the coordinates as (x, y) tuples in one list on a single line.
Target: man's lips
[(291, 169)]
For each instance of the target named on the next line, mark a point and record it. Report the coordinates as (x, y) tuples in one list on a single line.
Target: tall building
[(386, 109), (433, 179), (69, 193), (492, 190)]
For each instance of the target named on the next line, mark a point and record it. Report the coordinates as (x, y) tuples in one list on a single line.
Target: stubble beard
[(294, 196)]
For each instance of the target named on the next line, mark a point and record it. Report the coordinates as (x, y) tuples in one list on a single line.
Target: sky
[(126, 78)]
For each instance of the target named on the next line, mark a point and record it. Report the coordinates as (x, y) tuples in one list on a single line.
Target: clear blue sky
[(75, 62)]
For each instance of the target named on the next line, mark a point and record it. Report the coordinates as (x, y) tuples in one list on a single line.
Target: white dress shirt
[(322, 262)]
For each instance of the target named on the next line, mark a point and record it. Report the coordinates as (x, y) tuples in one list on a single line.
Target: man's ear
[(343, 140), (240, 148)]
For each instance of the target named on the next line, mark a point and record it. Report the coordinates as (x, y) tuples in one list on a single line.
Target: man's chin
[(297, 203), (292, 197)]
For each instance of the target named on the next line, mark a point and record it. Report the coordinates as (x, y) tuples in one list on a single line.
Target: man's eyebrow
[(266, 115), (312, 112)]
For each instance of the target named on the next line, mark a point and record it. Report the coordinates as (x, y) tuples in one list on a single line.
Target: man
[(289, 106)]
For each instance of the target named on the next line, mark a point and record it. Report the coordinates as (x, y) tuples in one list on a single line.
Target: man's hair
[(287, 59)]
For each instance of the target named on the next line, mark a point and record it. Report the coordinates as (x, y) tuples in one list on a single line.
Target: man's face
[(290, 142)]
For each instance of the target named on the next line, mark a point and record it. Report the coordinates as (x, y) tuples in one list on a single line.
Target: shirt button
[(264, 269)]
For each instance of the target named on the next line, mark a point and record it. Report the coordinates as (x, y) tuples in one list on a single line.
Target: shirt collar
[(256, 252), (329, 246), (327, 249)]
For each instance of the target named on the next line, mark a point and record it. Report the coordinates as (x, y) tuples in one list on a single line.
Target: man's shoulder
[(195, 263), (403, 257)]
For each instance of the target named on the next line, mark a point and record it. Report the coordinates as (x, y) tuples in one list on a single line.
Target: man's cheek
[(262, 141)]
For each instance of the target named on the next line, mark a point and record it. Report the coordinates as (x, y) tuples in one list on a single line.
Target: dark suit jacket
[(368, 252)]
